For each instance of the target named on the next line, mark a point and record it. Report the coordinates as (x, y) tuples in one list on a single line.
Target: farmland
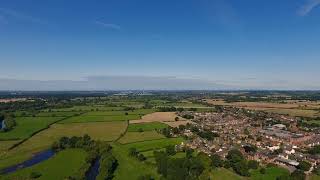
[(86, 118), (131, 137), (125, 124), (292, 108), (64, 164), (146, 126), (26, 126)]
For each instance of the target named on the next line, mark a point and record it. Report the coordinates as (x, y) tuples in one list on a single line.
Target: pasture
[(271, 173), (104, 131), (131, 137), (26, 126), (292, 108), (153, 144), (157, 117), (146, 126), (224, 174), (63, 164), (130, 166), (87, 118), (5, 145)]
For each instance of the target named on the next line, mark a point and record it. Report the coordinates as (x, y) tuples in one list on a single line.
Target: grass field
[(305, 109), (129, 166), (295, 112), (106, 131), (154, 144), (131, 137), (63, 164), (157, 117), (86, 118), (26, 126), (118, 113), (89, 108), (56, 114), (5, 145), (146, 126), (224, 174), (271, 173)]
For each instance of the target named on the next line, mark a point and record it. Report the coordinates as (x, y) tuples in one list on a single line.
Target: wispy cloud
[(308, 7), (108, 25), (9, 13)]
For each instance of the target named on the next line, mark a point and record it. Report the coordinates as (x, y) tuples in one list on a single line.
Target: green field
[(5, 145), (89, 108), (26, 126), (104, 131), (131, 167), (146, 126), (154, 144), (63, 164), (271, 173), (86, 118), (118, 113), (131, 137), (224, 174), (57, 114)]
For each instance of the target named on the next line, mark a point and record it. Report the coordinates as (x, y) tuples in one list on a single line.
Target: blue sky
[(252, 44)]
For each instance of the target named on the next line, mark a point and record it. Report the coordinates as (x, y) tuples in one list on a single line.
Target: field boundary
[(146, 140), (36, 132), (124, 133)]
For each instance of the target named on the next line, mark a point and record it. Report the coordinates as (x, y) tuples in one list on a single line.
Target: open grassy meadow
[(87, 118), (154, 144), (26, 126), (224, 174), (105, 131), (129, 166), (131, 137), (62, 165), (271, 173), (146, 126), (5, 145)]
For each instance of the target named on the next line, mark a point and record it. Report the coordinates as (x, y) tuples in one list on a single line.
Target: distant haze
[(159, 44), (144, 83)]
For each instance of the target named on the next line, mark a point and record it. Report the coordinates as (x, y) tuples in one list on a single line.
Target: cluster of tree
[(36, 104), (96, 151), (128, 108), (188, 116), (108, 165), (250, 148), (133, 152), (188, 167), (314, 150), (167, 109), (206, 134), (236, 160), (7, 122), (84, 142)]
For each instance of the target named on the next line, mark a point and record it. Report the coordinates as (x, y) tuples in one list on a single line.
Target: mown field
[(131, 137), (105, 131), (61, 165), (303, 109), (123, 129), (88, 119), (26, 126), (146, 126)]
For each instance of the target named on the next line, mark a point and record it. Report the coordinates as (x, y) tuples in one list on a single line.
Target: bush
[(253, 164), (34, 175)]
